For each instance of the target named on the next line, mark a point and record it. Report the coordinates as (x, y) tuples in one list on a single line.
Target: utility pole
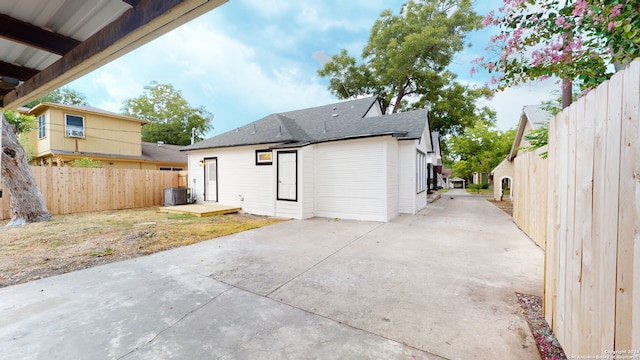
[(193, 135)]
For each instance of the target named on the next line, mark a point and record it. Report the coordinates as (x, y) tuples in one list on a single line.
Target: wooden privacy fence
[(530, 194), (592, 255), (68, 190)]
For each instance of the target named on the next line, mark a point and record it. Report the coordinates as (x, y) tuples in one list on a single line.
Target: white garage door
[(351, 180)]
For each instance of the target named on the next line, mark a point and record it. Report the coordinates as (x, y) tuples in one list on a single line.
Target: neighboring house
[(68, 132), (342, 160), (458, 183), (480, 178), (434, 163), (503, 174), (446, 175)]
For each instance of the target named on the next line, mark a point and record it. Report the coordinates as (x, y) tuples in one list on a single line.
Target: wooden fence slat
[(600, 329), (628, 219), (553, 226), (633, 108), (563, 149), (583, 235), (608, 256), (573, 249)]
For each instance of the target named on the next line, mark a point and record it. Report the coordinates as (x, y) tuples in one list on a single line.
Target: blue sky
[(250, 58)]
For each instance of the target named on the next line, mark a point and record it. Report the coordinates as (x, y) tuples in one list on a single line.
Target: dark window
[(165, 168)]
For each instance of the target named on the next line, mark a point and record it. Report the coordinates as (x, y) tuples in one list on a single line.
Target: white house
[(504, 174), (342, 160)]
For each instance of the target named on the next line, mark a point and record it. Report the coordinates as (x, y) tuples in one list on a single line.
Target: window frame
[(421, 172), (42, 126), (68, 127), (170, 168), (260, 161)]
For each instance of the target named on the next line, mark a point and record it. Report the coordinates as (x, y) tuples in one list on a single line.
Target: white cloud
[(119, 84), (508, 103), (221, 66)]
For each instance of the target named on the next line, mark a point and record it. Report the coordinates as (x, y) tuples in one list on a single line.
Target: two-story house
[(68, 132)]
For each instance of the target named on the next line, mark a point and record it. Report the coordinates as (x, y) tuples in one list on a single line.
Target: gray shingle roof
[(340, 121), (533, 115), (163, 153), (150, 152), (536, 114)]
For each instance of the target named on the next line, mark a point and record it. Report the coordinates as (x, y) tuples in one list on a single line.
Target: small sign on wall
[(264, 157)]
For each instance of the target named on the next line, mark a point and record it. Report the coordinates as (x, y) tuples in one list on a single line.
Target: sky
[(250, 58)]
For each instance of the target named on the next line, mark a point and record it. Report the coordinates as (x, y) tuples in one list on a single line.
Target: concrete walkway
[(437, 285)]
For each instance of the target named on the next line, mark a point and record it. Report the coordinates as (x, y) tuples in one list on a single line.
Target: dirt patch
[(78, 241), (548, 345), (506, 205)]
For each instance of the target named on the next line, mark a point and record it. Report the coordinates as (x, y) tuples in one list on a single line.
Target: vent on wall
[(75, 133)]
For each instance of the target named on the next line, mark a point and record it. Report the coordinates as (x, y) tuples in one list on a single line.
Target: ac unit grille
[(75, 133)]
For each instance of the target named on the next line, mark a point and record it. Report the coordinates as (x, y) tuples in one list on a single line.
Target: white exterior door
[(287, 175), (211, 179)]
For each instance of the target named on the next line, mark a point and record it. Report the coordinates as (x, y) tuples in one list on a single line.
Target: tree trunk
[(567, 93), (27, 203)]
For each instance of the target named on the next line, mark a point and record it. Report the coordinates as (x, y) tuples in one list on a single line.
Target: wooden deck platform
[(200, 210)]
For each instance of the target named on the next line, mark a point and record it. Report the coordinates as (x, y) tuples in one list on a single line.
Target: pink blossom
[(560, 20), (493, 81), (580, 8), (473, 70), (611, 26), (615, 11), (478, 60), (488, 19)]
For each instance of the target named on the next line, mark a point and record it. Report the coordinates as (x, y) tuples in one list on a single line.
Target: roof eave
[(191, 148)]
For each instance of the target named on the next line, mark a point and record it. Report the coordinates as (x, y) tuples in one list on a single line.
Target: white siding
[(407, 176), (424, 145), (240, 181), (351, 179), (308, 183), (391, 159), (375, 110), (196, 171)]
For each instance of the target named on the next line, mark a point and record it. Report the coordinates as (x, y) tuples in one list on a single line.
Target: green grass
[(480, 191)]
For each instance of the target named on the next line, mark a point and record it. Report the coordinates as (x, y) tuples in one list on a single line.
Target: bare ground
[(506, 205), (78, 241)]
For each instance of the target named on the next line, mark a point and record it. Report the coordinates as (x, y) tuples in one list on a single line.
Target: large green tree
[(171, 118), (64, 95), (405, 60), (479, 148)]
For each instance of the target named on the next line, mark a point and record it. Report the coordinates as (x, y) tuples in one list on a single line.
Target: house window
[(264, 157), (42, 126), (166, 168), (421, 172), (74, 126)]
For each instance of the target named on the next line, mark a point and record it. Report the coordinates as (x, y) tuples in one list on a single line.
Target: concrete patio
[(437, 285)]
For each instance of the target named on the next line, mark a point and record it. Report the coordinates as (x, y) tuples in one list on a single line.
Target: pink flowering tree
[(574, 40)]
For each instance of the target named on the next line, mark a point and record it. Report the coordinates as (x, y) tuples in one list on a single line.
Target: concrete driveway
[(437, 285)]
